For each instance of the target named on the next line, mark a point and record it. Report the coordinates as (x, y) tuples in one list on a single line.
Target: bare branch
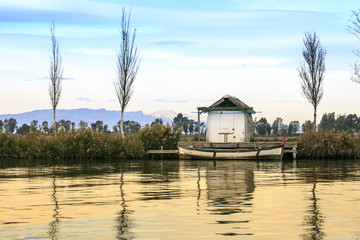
[(354, 28), (55, 72), (312, 70), (127, 64)]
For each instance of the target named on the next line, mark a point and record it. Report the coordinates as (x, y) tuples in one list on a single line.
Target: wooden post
[(162, 154), (198, 125)]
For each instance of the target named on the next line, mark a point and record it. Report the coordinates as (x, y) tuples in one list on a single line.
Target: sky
[(192, 52)]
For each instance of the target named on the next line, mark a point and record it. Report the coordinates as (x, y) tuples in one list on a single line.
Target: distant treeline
[(189, 126), (347, 123)]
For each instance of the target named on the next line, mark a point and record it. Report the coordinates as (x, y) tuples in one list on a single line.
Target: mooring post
[(198, 125), (162, 153)]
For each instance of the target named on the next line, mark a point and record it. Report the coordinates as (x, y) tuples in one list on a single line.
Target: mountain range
[(88, 115)]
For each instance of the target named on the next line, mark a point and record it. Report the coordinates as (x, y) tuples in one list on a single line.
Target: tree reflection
[(199, 192), (53, 225), (123, 221), (314, 220)]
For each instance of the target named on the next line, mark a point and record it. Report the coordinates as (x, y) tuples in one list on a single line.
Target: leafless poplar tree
[(354, 28), (127, 63), (55, 73), (312, 70)]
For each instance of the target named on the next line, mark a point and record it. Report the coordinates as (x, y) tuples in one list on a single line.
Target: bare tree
[(127, 63), (55, 73), (312, 70), (354, 28)]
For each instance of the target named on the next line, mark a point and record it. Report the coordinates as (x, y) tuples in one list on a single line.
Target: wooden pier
[(290, 149)]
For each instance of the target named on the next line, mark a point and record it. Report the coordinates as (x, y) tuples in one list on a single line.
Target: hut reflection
[(230, 185)]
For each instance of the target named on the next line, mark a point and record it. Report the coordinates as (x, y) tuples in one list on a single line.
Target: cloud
[(87, 51), (173, 43), (84, 99), (38, 15), (223, 62), (163, 100)]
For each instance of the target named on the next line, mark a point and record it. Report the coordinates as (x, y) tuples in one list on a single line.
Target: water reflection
[(179, 199), (159, 180), (124, 224), (53, 225), (314, 220), (229, 187)]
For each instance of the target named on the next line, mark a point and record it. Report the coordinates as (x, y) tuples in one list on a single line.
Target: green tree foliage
[(347, 123), (277, 125), (34, 125), (1, 125), (98, 126), (157, 121), (130, 127), (263, 127), (83, 125), (24, 129), (179, 121), (45, 127), (10, 125), (328, 121), (293, 128), (187, 125), (307, 126)]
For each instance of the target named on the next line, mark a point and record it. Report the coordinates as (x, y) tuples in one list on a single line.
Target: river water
[(180, 200)]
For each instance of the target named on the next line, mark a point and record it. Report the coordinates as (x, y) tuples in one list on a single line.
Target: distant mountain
[(164, 114), (84, 114)]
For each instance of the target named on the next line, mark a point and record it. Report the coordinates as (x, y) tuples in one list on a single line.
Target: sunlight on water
[(180, 200)]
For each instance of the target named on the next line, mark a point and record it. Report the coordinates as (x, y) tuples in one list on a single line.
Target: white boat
[(239, 152)]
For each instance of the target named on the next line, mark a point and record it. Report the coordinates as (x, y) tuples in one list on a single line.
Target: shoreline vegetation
[(86, 144), (337, 137)]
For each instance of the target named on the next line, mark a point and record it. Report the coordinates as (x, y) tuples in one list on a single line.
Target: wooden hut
[(229, 120)]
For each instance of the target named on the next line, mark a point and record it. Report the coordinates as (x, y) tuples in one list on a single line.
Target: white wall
[(232, 123)]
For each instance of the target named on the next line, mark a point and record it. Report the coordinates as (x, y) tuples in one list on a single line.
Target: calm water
[(180, 200)]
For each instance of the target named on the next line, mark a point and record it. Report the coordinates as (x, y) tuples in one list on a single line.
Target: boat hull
[(273, 152)]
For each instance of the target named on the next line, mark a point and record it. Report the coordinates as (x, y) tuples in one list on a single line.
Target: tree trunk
[(55, 125), (122, 124), (315, 117)]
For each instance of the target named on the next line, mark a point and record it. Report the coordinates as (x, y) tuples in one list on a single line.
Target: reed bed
[(329, 145), (87, 144)]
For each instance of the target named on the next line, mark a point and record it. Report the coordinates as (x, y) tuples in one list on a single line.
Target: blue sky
[(193, 53)]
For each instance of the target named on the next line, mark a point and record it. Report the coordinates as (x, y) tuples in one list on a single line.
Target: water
[(180, 200)]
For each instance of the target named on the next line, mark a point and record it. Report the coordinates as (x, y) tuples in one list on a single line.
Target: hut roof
[(227, 103)]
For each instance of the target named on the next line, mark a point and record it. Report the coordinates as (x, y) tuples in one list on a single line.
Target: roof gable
[(229, 101)]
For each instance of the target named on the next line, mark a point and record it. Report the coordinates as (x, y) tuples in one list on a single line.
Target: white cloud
[(88, 51), (179, 59)]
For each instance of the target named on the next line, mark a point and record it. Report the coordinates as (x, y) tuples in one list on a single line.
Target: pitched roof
[(229, 101)]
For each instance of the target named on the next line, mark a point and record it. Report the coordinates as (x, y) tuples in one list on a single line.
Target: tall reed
[(328, 144), (87, 144)]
